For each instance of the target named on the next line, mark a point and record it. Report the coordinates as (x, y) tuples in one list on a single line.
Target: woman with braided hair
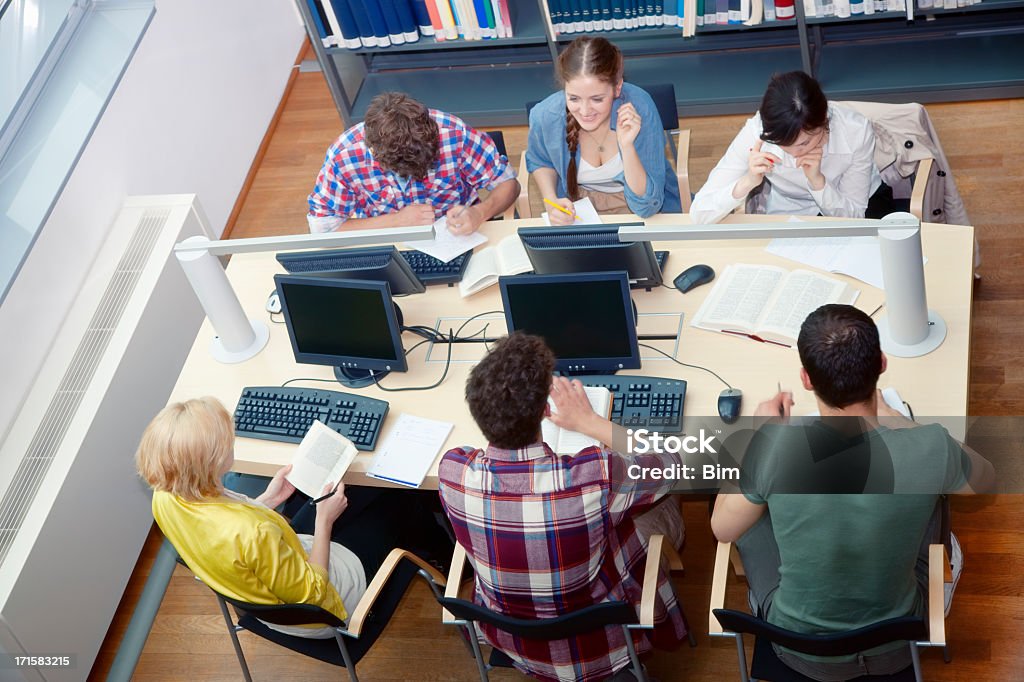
[(599, 138)]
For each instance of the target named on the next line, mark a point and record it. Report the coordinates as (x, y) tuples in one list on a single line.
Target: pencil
[(321, 499), (563, 210)]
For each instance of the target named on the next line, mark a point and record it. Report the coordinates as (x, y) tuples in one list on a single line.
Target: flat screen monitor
[(350, 324), (590, 248), (585, 318), (376, 263)]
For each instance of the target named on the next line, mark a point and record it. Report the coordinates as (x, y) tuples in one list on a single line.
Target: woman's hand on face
[(759, 163), (627, 125), (810, 163)]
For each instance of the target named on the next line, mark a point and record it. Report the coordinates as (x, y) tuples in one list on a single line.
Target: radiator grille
[(68, 397)]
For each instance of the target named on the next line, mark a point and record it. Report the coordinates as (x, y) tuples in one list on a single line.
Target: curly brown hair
[(585, 56), (401, 134), (508, 390)]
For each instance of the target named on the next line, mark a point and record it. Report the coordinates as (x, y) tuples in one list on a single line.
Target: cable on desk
[(323, 381), (447, 364), (684, 364), (281, 321)]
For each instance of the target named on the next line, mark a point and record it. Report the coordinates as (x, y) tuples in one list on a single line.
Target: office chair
[(352, 640), (463, 613), (499, 141), (918, 631)]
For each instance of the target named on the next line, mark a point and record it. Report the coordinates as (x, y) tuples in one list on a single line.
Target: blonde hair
[(186, 449)]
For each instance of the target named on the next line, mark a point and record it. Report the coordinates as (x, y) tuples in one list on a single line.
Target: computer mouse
[(693, 276), (729, 402), (274, 303)]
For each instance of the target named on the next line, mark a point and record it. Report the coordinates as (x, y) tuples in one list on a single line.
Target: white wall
[(188, 116)]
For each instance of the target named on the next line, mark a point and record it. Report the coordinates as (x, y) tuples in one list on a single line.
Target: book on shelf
[(785, 10), (856, 7), (618, 15), (483, 29), (389, 10), (766, 302), (377, 22), (424, 20), (507, 257), (565, 442), (507, 18), (444, 11), (321, 23), (350, 36), (606, 15), (842, 8), (435, 21), (322, 457), (408, 20), (362, 19)]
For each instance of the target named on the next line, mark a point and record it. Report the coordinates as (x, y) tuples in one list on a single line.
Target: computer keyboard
[(286, 413), (661, 257), (430, 270), (653, 403)]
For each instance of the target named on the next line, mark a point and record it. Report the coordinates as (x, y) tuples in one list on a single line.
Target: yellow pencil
[(563, 210)]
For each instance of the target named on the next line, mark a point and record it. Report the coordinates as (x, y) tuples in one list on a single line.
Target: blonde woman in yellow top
[(240, 546)]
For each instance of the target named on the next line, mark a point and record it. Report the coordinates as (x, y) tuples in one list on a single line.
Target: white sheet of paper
[(445, 245), (586, 214), (409, 450)]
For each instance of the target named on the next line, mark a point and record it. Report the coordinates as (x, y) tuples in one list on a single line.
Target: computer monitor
[(586, 318), (590, 248), (350, 324), (377, 263)]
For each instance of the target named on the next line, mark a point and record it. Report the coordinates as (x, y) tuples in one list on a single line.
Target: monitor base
[(358, 378)]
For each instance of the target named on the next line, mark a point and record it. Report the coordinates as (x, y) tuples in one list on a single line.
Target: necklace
[(600, 145)]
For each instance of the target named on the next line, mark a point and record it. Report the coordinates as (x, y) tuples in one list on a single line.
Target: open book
[(507, 257), (565, 442), (768, 302), (322, 457)]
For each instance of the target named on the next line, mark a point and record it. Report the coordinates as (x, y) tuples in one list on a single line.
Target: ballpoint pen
[(755, 337), (321, 499)]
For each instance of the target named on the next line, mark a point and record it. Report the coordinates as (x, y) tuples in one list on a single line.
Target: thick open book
[(565, 442), (322, 457), (507, 257), (768, 302)]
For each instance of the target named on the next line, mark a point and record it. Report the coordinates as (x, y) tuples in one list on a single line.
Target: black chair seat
[(766, 666), (584, 620)]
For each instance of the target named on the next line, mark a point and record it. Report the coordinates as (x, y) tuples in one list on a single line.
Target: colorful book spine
[(480, 17), (785, 10), (321, 23), (507, 16), (421, 12), (769, 10), (435, 21), (350, 35), (444, 10), (489, 13), (734, 12), (618, 15)]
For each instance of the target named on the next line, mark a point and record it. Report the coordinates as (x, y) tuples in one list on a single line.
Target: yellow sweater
[(244, 551)]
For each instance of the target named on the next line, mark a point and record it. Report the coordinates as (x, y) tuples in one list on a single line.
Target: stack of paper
[(409, 450)]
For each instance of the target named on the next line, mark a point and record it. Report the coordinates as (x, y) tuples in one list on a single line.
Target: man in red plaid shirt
[(549, 534), (409, 165)]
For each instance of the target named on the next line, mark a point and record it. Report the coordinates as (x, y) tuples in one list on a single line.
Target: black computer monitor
[(377, 263), (350, 324), (590, 248), (585, 318)]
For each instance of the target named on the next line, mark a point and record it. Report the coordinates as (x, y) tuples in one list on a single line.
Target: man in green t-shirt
[(851, 500)]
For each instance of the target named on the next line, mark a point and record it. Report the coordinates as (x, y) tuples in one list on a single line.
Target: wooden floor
[(985, 145)]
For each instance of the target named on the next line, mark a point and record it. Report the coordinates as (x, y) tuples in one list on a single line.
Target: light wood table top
[(935, 384)]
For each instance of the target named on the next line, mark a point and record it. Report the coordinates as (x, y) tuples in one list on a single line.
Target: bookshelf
[(974, 52)]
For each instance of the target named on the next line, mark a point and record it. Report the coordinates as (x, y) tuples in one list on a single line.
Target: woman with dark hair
[(816, 158), (599, 138)]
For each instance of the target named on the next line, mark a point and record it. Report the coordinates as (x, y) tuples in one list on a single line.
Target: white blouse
[(847, 163), (603, 177)]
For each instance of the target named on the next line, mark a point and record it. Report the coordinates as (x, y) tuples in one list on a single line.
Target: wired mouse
[(274, 303), (729, 402), (693, 277)]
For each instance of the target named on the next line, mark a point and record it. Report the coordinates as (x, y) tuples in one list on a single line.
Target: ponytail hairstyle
[(585, 56), (793, 102)]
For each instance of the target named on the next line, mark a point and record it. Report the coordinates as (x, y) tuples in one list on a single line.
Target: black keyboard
[(653, 403), (285, 414), (661, 257), (430, 270)]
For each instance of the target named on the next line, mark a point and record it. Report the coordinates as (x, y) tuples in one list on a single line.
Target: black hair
[(793, 102), (839, 349)]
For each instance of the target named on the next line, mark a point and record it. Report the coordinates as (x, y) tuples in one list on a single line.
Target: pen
[(782, 410), (755, 338), (321, 499), (563, 210)]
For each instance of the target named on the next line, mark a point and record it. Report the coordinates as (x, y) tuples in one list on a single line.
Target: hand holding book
[(571, 411)]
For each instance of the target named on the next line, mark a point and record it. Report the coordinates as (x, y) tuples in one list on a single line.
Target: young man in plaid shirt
[(549, 534), (409, 165)]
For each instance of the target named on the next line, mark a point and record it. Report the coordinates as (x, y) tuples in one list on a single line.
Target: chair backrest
[(911, 628), (529, 108), (285, 614), (664, 96), (499, 141), (579, 622)]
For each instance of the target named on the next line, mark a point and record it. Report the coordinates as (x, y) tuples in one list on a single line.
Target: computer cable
[(447, 364), (684, 364)]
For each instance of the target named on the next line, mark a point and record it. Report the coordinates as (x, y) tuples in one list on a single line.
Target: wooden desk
[(935, 384)]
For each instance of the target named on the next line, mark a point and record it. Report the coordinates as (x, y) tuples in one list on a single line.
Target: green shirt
[(848, 558)]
